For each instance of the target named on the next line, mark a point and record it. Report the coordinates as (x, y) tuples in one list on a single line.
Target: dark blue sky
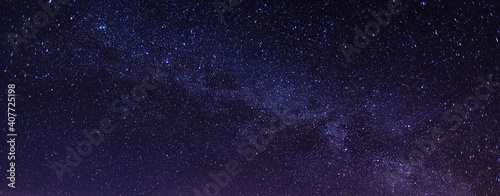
[(338, 127)]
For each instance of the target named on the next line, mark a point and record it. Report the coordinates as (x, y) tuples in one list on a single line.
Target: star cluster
[(335, 126)]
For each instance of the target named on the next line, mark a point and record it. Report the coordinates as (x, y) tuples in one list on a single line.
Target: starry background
[(348, 122)]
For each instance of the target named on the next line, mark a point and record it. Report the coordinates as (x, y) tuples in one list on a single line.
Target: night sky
[(273, 98)]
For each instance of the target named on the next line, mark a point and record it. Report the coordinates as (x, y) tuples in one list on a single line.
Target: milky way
[(252, 97)]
